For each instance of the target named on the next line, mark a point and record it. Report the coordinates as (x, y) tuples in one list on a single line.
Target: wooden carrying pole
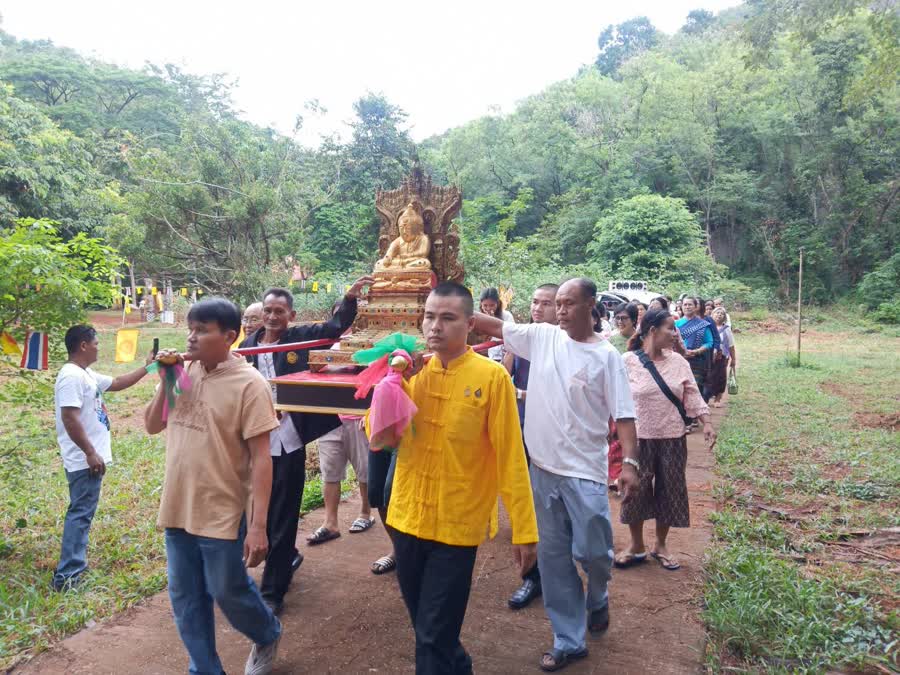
[(799, 305)]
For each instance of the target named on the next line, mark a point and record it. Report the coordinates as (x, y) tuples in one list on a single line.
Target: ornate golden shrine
[(418, 246)]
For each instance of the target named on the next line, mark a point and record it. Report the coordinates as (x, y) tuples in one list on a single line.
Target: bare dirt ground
[(340, 618)]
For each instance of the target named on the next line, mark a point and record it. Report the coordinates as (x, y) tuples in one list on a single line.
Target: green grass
[(126, 553), (803, 474)]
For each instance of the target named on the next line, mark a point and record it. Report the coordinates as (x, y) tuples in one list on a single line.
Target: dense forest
[(703, 159)]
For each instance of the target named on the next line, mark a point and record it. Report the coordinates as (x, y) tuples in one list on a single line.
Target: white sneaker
[(261, 659)]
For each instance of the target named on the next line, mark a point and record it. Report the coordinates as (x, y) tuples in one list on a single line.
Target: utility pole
[(800, 305)]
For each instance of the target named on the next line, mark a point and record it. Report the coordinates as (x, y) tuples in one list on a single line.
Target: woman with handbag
[(666, 397)]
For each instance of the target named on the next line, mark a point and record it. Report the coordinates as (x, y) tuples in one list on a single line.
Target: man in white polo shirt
[(577, 382), (82, 431)]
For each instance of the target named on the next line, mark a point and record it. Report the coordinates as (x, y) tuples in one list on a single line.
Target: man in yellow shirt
[(464, 448)]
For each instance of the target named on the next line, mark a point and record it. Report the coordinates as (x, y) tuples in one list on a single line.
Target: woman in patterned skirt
[(662, 455), (698, 340)]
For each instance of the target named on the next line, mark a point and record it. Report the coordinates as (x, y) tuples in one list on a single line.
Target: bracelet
[(636, 464)]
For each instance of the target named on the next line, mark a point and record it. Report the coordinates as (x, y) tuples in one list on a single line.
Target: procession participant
[(339, 447), (215, 495), (82, 432), (659, 377), (577, 382), (252, 320), (466, 449), (288, 442), (698, 340), (543, 310), (490, 303)]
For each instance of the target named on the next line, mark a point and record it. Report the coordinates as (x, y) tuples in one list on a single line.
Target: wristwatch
[(520, 394), (636, 464)]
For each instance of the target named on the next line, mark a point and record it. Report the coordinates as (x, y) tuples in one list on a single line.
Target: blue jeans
[(573, 523), (84, 493), (201, 570)]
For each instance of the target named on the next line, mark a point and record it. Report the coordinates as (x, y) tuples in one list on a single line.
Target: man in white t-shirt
[(82, 431), (576, 383)]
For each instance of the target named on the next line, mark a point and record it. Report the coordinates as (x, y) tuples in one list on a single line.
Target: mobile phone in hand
[(155, 347)]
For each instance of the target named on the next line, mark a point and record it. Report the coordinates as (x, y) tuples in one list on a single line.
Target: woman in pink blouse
[(663, 494)]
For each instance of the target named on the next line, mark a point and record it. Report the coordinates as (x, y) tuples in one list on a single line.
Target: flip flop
[(361, 525), (666, 562), (561, 659), (630, 560), (320, 536), (384, 565)]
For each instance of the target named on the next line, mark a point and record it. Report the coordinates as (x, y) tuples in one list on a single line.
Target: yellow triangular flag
[(240, 339), (315, 287), (153, 291), (184, 292), (9, 345), (328, 288), (127, 305), (126, 344)]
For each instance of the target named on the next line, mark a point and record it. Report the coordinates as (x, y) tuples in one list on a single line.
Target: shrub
[(880, 286)]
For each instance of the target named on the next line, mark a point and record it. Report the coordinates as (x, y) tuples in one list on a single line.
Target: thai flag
[(34, 357)]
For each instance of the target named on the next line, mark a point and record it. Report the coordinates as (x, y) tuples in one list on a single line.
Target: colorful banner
[(183, 292), (126, 344), (34, 357), (8, 345)]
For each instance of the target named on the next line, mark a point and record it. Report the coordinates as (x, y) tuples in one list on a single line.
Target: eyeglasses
[(621, 319)]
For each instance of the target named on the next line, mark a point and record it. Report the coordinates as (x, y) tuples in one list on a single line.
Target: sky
[(443, 63)]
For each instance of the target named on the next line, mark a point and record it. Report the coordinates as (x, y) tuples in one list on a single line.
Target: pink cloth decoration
[(392, 410)]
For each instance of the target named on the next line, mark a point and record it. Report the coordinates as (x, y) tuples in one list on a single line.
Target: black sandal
[(320, 536), (561, 659), (384, 565)]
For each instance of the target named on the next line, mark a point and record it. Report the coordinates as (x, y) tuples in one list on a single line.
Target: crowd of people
[(562, 409)]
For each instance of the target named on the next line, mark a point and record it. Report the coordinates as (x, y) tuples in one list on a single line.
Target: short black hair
[(78, 334), (279, 292), (629, 308), (662, 300), (548, 287), (219, 310), (588, 287), (447, 289)]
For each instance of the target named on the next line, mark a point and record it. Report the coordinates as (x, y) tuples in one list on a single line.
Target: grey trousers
[(573, 525)]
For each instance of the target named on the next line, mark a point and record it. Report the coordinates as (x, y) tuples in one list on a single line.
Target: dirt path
[(340, 618)]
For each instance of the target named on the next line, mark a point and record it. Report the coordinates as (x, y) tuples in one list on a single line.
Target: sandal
[(384, 565), (361, 525), (321, 535), (666, 562), (629, 559), (560, 659)]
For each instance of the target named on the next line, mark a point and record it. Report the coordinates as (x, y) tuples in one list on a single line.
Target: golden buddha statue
[(410, 250)]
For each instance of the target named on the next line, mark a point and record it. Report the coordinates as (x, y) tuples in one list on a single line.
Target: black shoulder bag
[(654, 373)]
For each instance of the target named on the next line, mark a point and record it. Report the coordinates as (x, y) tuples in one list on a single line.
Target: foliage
[(47, 283), (776, 123), (645, 233), (619, 43), (881, 285)]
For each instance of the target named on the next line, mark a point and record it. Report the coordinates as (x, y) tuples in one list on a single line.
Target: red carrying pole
[(313, 344)]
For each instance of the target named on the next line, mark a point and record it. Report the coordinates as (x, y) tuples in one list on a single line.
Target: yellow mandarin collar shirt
[(464, 448)]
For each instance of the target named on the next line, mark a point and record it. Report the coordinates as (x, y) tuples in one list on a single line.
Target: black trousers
[(288, 480), (435, 580)]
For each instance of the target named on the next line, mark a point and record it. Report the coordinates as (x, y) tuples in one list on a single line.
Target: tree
[(380, 153), (47, 283), (698, 20), (623, 41), (642, 235)]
